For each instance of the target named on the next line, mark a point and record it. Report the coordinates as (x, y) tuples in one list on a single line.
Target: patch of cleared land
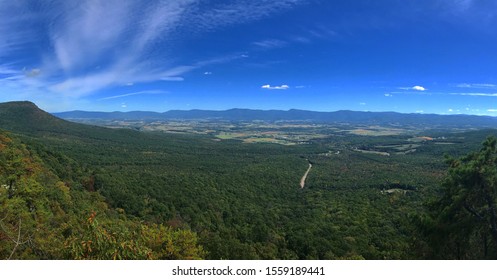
[(377, 131), (371, 152), (229, 135), (267, 140)]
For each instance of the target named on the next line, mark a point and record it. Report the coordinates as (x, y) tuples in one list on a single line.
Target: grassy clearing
[(371, 152), (229, 135), (376, 132), (267, 140)]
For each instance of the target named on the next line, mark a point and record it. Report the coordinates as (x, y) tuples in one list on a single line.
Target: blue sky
[(425, 56)]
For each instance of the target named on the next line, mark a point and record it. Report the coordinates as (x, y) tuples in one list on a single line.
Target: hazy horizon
[(284, 110)]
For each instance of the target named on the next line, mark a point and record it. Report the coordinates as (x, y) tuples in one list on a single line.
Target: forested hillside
[(77, 191), (43, 216)]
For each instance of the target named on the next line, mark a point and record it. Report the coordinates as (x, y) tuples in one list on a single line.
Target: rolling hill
[(26, 119)]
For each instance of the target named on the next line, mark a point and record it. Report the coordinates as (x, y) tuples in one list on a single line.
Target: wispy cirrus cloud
[(235, 12), (463, 4), (78, 48), (475, 13), (8, 74), (135, 93), (304, 37), (282, 87), (13, 33), (323, 32), (270, 44), (475, 94), (480, 86)]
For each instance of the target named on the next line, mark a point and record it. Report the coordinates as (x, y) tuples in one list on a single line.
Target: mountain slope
[(48, 205), (26, 117)]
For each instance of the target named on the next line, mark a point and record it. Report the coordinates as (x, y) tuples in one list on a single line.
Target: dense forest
[(73, 191), (45, 217)]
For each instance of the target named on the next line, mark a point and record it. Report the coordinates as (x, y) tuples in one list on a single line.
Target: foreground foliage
[(43, 217), (462, 223)]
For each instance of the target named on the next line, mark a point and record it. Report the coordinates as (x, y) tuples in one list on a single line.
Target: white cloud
[(362, 103), (282, 87), (450, 110), (492, 110), (420, 111), (388, 95), (418, 88), (207, 73)]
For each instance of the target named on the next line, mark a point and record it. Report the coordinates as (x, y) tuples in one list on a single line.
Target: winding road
[(302, 181)]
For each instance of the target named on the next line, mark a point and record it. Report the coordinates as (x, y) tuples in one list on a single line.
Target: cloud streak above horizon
[(134, 93), (475, 94)]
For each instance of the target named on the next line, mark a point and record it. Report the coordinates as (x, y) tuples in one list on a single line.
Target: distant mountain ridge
[(344, 116), (26, 116)]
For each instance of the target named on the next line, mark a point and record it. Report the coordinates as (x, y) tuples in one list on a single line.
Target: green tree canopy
[(463, 222)]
